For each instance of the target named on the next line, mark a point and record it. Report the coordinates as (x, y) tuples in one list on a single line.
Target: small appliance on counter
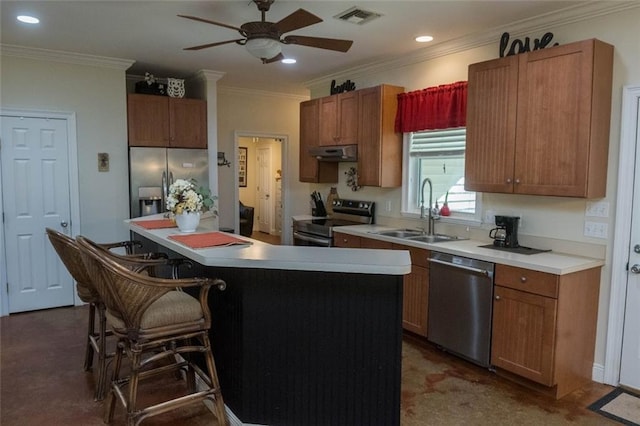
[(505, 236), (317, 205), (506, 233)]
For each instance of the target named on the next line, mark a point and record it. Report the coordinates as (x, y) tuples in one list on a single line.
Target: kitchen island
[(302, 335)]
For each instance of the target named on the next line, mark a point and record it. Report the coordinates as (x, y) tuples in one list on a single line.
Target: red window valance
[(438, 107)]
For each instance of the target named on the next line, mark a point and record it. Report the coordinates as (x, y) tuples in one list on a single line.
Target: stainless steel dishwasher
[(460, 306)]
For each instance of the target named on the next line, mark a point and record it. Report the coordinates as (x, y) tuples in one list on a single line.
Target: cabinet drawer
[(374, 244), (346, 240), (535, 282)]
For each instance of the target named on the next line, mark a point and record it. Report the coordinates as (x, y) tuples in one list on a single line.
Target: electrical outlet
[(388, 205), (595, 229), (597, 209)]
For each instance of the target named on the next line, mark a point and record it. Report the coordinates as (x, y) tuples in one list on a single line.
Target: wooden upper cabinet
[(311, 170), (339, 119), (558, 122), (187, 123), (379, 146), (148, 120), (160, 121), (492, 92)]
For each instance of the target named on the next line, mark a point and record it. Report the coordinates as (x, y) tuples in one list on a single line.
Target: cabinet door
[(523, 334), (491, 125), (148, 120), (339, 119), (188, 123), (554, 130), (310, 169), (348, 108), (379, 146), (415, 300)]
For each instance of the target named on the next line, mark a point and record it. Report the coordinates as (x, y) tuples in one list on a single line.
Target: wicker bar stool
[(69, 252), (159, 329)]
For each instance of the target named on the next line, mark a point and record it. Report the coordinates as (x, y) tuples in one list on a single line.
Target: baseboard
[(597, 373)]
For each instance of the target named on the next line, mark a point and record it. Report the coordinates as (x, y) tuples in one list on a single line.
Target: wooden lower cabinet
[(415, 298), (544, 327)]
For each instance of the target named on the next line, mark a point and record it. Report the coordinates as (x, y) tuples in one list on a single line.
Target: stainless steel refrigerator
[(152, 170)]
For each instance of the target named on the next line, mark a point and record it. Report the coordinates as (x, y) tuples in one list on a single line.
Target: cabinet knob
[(497, 297), (523, 279), (508, 180), (517, 181)]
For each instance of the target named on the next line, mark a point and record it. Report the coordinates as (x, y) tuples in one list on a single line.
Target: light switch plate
[(103, 162), (597, 209), (595, 229)]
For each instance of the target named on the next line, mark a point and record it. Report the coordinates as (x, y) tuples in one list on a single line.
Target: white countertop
[(551, 262), (266, 256)]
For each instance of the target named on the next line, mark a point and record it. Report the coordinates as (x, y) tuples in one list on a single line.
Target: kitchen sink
[(401, 233), (418, 235), (437, 238)]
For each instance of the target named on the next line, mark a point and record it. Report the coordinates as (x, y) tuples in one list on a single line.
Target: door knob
[(64, 224), (635, 269)]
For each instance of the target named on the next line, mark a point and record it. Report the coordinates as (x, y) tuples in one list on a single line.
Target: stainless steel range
[(319, 232)]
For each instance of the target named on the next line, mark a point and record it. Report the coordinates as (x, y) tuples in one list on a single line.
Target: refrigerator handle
[(170, 178), (165, 190)]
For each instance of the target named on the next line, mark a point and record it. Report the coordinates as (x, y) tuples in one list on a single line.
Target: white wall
[(555, 219), (259, 113), (98, 97)]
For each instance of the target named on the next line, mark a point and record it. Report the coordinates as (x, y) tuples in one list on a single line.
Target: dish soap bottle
[(444, 211), (333, 194)]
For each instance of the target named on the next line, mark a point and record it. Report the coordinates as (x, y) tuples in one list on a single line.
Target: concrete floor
[(42, 383)]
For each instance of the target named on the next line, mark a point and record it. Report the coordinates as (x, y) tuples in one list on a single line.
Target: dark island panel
[(307, 347)]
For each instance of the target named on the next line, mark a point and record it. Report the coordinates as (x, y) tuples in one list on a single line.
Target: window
[(438, 155)]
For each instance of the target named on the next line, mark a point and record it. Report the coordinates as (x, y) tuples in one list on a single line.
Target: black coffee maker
[(506, 233)]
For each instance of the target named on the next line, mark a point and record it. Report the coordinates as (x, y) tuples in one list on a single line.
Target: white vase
[(188, 222)]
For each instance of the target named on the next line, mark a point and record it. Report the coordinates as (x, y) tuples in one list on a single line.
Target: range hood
[(335, 153)]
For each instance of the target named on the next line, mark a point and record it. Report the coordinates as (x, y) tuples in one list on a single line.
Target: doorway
[(264, 179), (622, 362), (38, 177)]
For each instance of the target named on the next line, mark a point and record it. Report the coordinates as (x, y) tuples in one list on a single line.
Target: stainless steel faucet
[(430, 211)]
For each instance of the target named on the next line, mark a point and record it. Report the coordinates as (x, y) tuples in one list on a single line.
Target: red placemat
[(209, 239), (155, 224)]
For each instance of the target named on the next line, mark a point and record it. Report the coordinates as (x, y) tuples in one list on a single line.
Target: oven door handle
[(319, 241)]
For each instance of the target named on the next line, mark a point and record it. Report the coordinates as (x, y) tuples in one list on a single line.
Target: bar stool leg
[(88, 354)]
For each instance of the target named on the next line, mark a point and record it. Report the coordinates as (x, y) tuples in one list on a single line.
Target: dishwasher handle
[(466, 268)]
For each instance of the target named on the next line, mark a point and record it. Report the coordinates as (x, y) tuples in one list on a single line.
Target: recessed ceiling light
[(28, 19), (288, 61), (424, 39)]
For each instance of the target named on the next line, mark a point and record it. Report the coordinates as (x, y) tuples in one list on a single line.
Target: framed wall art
[(242, 167)]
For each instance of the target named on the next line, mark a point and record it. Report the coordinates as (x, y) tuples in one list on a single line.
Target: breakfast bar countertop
[(266, 256), (550, 262)]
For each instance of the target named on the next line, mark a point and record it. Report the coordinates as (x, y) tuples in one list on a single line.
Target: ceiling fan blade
[(204, 46), (276, 58), (319, 42), (220, 24), (298, 19)]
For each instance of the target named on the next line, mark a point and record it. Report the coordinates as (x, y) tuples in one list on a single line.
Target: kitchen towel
[(155, 224), (209, 239)]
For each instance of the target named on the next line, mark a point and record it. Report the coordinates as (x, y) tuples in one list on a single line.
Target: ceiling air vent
[(355, 15)]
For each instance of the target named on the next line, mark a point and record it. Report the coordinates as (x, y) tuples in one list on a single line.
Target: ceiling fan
[(263, 39)]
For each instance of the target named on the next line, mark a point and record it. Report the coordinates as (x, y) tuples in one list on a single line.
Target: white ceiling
[(150, 33)]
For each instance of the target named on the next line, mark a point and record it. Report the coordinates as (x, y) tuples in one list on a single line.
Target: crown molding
[(523, 27), (230, 90), (64, 57)]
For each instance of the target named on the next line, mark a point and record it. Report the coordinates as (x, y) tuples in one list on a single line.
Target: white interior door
[(35, 195), (630, 362), (263, 158)]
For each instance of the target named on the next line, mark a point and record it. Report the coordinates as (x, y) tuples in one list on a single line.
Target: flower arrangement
[(185, 196)]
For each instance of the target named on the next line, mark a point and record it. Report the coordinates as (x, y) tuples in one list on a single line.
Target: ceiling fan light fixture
[(263, 48)]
